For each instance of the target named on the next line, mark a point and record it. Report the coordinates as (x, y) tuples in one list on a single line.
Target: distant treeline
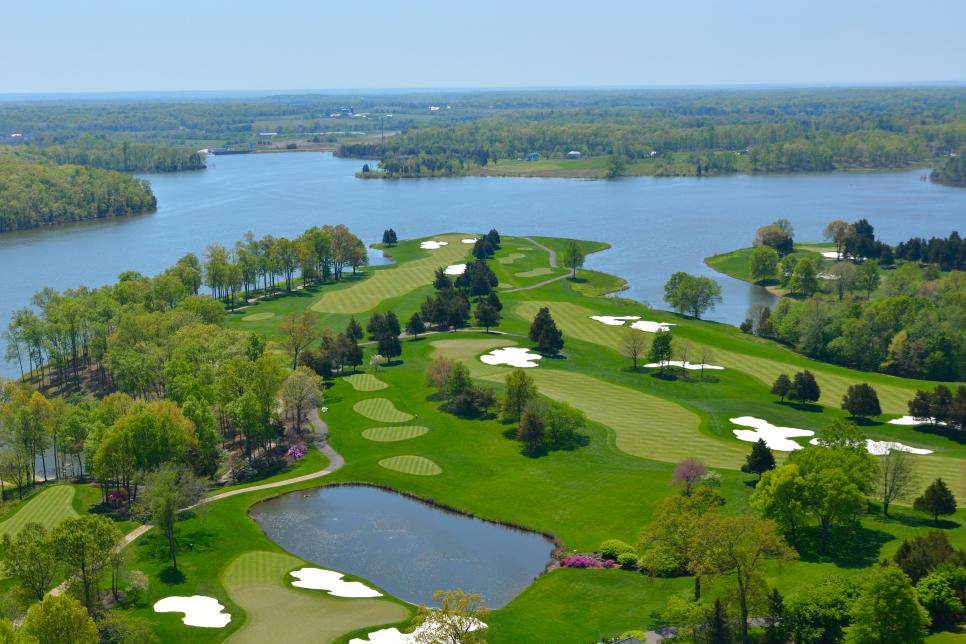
[(35, 193), (948, 253), (123, 156), (952, 171)]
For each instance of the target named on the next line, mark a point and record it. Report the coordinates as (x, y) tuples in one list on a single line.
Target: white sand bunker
[(469, 240), (198, 610), (513, 356), (455, 269), (912, 421), (651, 326), (432, 245), (830, 254), (775, 437), (614, 320), (641, 325), (424, 633), (684, 365), (319, 579), (881, 448)]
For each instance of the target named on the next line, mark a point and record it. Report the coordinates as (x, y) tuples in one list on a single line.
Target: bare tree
[(897, 477), (684, 352), (634, 344), (705, 356)]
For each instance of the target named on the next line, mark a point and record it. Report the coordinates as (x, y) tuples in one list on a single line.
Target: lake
[(656, 225), (407, 547)]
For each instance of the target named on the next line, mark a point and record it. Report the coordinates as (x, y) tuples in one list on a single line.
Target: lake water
[(406, 547), (656, 225)]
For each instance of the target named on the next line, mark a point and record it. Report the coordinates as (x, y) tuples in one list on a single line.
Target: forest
[(123, 156), (952, 171), (36, 192)]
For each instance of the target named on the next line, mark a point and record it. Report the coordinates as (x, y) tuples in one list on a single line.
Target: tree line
[(122, 156)]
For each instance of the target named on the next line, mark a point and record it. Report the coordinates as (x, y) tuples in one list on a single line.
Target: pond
[(409, 548)]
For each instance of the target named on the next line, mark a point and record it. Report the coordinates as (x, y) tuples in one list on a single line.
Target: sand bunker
[(614, 320), (395, 636), (319, 579), (775, 437), (641, 325), (469, 240), (912, 421), (881, 448), (513, 356), (685, 365), (455, 269), (432, 245), (651, 327), (830, 254), (198, 610)]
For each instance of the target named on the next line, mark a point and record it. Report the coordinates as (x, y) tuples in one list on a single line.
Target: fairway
[(536, 272), (277, 612), (48, 508), (392, 282), (410, 464), (393, 434), (256, 317), (381, 410), (365, 382)]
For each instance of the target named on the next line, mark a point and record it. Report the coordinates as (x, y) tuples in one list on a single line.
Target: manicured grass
[(258, 581), (365, 382), (258, 317), (411, 464), (737, 263), (381, 410), (509, 258), (536, 272), (392, 434), (395, 281), (48, 508)]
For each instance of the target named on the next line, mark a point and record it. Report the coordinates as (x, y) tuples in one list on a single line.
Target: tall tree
[(415, 326), (861, 401), (938, 500), (661, 349), (692, 295), (573, 257), (780, 496), (897, 477), (168, 490), (764, 263), (633, 344), (301, 391), (300, 331), (29, 558), (460, 619), (759, 460), (518, 390), (58, 619), (887, 611), (85, 545)]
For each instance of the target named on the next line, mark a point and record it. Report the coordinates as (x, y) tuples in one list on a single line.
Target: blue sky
[(124, 45)]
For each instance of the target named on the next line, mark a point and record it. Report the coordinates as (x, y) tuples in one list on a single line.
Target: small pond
[(407, 547)]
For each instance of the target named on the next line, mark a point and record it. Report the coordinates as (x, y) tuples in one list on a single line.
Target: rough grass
[(49, 508), (365, 382), (410, 464), (278, 612), (381, 410), (257, 317), (393, 281), (536, 272), (393, 434)]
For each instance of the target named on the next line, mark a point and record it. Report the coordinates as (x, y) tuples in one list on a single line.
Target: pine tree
[(388, 235), (760, 460), (486, 316), (415, 326), (661, 349), (782, 386), (861, 401), (719, 631), (354, 329), (544, 332), (937, 500)]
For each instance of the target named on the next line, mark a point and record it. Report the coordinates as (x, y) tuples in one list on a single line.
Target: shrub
[(296, 452), (627, 560), (579, 561), (609, 563), (614, 548)]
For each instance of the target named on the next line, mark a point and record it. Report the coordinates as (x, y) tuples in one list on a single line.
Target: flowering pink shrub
[(609, 563), (296, 452), (117, 498), (580, 561)]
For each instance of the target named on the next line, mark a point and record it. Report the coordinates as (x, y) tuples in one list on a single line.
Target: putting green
[(575, 321), (409, 464), (392, 434), (365, 382), (536, 272), (48, 508), (381, 410), (509, 259), (394, 282), (277, 612), (256, 317)]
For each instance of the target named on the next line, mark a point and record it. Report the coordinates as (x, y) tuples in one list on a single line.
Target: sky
[(175, 45)]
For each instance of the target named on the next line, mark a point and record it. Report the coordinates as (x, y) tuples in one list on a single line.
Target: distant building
[(653, 153), (268, 134), (434, 108), (533, 156), (574, 154)]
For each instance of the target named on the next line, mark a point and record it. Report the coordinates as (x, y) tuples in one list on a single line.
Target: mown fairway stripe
[(365, 382), (410, 464), (48, 508), (381, 410), (392, 434)]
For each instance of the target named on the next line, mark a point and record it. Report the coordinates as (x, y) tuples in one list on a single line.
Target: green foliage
[(544, 332), (518, 390), (691, 294), (940, 592), (887, 611), (60, 619), (613, 548), (922, 554), (861, 401), (952, 171), (573, 257), (85, 546), (123, 156), (764, 263), (760, 459), (821, 612), (30, 559), (804, 387), (627, 560), (938, 500), (661, 349)]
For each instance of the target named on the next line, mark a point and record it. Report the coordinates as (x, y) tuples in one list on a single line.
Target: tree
[(718, 628), (924, 553), (573, 257), (937, 500), (168, 490), (544, 331), (532, 431), (415, 326), (486, 315), (804, 388), (354, 330), (887, 611), (940, 594), (59, 619), (389, 236), (775, 622), (837, 231), (459, 381), (867, 277), (29, 558), (300, 392), (764, 263), (691, 294), (780, 496), (438, 372), (689, 472), (821, 612), (518, 390), (661, 349), (760, 460), (299, 332), (804, 279), (782, 386), (861, 401), (633, 344), (460, 619), (85, 544), (844, 275), (389, 346), (897, 476)]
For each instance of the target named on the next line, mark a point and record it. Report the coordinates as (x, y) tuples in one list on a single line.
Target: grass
[(365, 382), (381, 410), (392, 434), (275, 610), (48, 508), (410, 464)]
